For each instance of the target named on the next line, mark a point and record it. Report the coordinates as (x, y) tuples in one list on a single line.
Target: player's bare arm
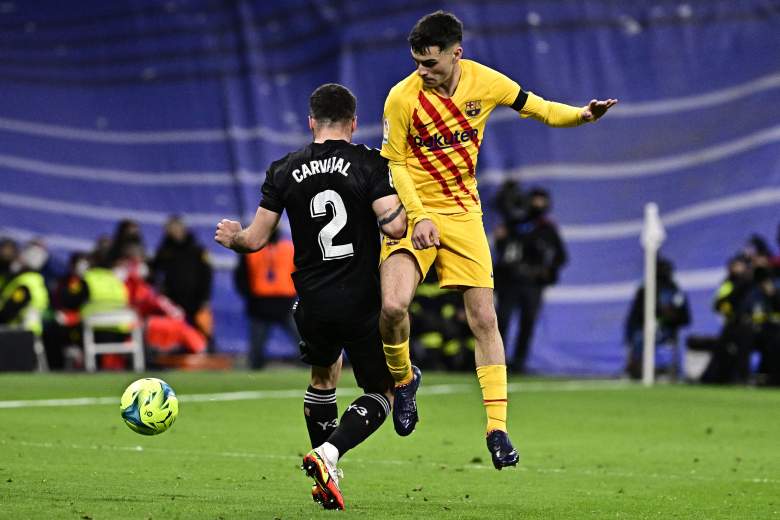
[(230, 234), (596, 108), (424, 234), (391, 216)]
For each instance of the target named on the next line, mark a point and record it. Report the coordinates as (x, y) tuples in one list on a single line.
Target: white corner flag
[(653, 235)]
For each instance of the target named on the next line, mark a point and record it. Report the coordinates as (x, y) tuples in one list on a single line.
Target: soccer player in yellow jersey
[(434, 121)]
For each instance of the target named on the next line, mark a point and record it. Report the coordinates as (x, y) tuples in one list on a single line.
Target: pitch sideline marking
[(444, 389)]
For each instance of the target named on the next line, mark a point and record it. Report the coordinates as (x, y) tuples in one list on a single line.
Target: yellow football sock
[(492, 380), (398, 362)]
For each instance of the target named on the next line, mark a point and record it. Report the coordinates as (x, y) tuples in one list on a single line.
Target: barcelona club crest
[(473, 108)]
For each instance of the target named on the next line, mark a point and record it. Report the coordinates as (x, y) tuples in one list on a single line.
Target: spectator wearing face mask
[(529, 256), (166, 329), (23, 297), (52, 267)]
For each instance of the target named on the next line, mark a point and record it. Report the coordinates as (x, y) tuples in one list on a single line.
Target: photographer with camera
[(730, 362), (765, 317), (529, 255), (749, 302)]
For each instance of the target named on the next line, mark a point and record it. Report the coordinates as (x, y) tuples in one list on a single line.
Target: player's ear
[(311, 123), (457, 53), (354, 123)]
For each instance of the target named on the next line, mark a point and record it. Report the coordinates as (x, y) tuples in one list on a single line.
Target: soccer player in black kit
[(337, 196)]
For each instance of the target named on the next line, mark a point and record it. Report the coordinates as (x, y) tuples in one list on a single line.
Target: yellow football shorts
[(463, 259)]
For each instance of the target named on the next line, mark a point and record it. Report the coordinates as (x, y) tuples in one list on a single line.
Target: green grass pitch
[(589, 450)]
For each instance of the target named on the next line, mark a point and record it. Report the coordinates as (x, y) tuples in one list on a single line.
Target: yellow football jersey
[(439, 138)]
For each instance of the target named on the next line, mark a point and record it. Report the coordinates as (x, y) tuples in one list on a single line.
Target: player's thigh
[(400, 274), (464, 258), (317, 348)]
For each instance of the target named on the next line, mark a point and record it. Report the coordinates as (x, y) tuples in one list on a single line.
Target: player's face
[(436, 66)]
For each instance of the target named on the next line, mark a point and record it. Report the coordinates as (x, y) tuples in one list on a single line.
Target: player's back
[(327, 189)]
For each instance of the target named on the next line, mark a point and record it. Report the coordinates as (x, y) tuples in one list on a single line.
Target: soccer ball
[(149, 406)]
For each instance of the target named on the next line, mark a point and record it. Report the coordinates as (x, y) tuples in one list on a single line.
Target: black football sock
[(321, 413), (362, 418)]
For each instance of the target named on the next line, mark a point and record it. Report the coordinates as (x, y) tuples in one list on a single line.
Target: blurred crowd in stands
[(170, 294)]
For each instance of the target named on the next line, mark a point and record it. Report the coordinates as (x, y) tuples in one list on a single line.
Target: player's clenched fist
[(227, 231), (425, 235)]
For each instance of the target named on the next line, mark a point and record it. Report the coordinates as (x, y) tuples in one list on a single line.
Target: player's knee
[(324, 378), (323, 381), (393, 310), (483, 322)]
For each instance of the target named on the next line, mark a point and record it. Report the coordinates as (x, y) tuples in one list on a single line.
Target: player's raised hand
[(596, 109), (425, 234), (227, 231)]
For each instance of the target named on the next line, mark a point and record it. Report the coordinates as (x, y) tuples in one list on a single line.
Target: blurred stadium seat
[(124, 319)]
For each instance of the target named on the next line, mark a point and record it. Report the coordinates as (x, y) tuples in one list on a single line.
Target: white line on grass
[(558, 386), (443, 465)]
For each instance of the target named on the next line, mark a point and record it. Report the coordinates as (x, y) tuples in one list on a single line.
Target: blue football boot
[(405, 406), (501, 450)]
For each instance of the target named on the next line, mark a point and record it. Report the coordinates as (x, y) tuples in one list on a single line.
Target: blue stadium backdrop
[(147, 108)]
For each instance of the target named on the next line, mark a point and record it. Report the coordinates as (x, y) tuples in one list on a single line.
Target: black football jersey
[(327, 189)]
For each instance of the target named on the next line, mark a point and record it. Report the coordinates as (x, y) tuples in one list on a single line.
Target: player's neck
[(448, 89), (332, 135)]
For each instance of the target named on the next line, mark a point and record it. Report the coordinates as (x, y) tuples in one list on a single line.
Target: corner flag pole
[(653, 235)]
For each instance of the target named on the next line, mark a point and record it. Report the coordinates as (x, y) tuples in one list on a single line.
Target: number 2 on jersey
[(318, 207)]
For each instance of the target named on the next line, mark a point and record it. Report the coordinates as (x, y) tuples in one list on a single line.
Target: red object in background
[(166, 328), (68, 317), (145, 300), (166, 334), (113, 362)]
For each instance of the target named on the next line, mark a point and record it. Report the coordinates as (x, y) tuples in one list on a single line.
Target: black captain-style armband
[(520, 100)]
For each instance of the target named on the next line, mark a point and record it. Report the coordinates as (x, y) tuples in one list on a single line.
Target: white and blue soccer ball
[(149, 406)]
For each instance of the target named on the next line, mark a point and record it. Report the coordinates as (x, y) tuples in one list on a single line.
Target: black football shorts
[(323, 338)]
